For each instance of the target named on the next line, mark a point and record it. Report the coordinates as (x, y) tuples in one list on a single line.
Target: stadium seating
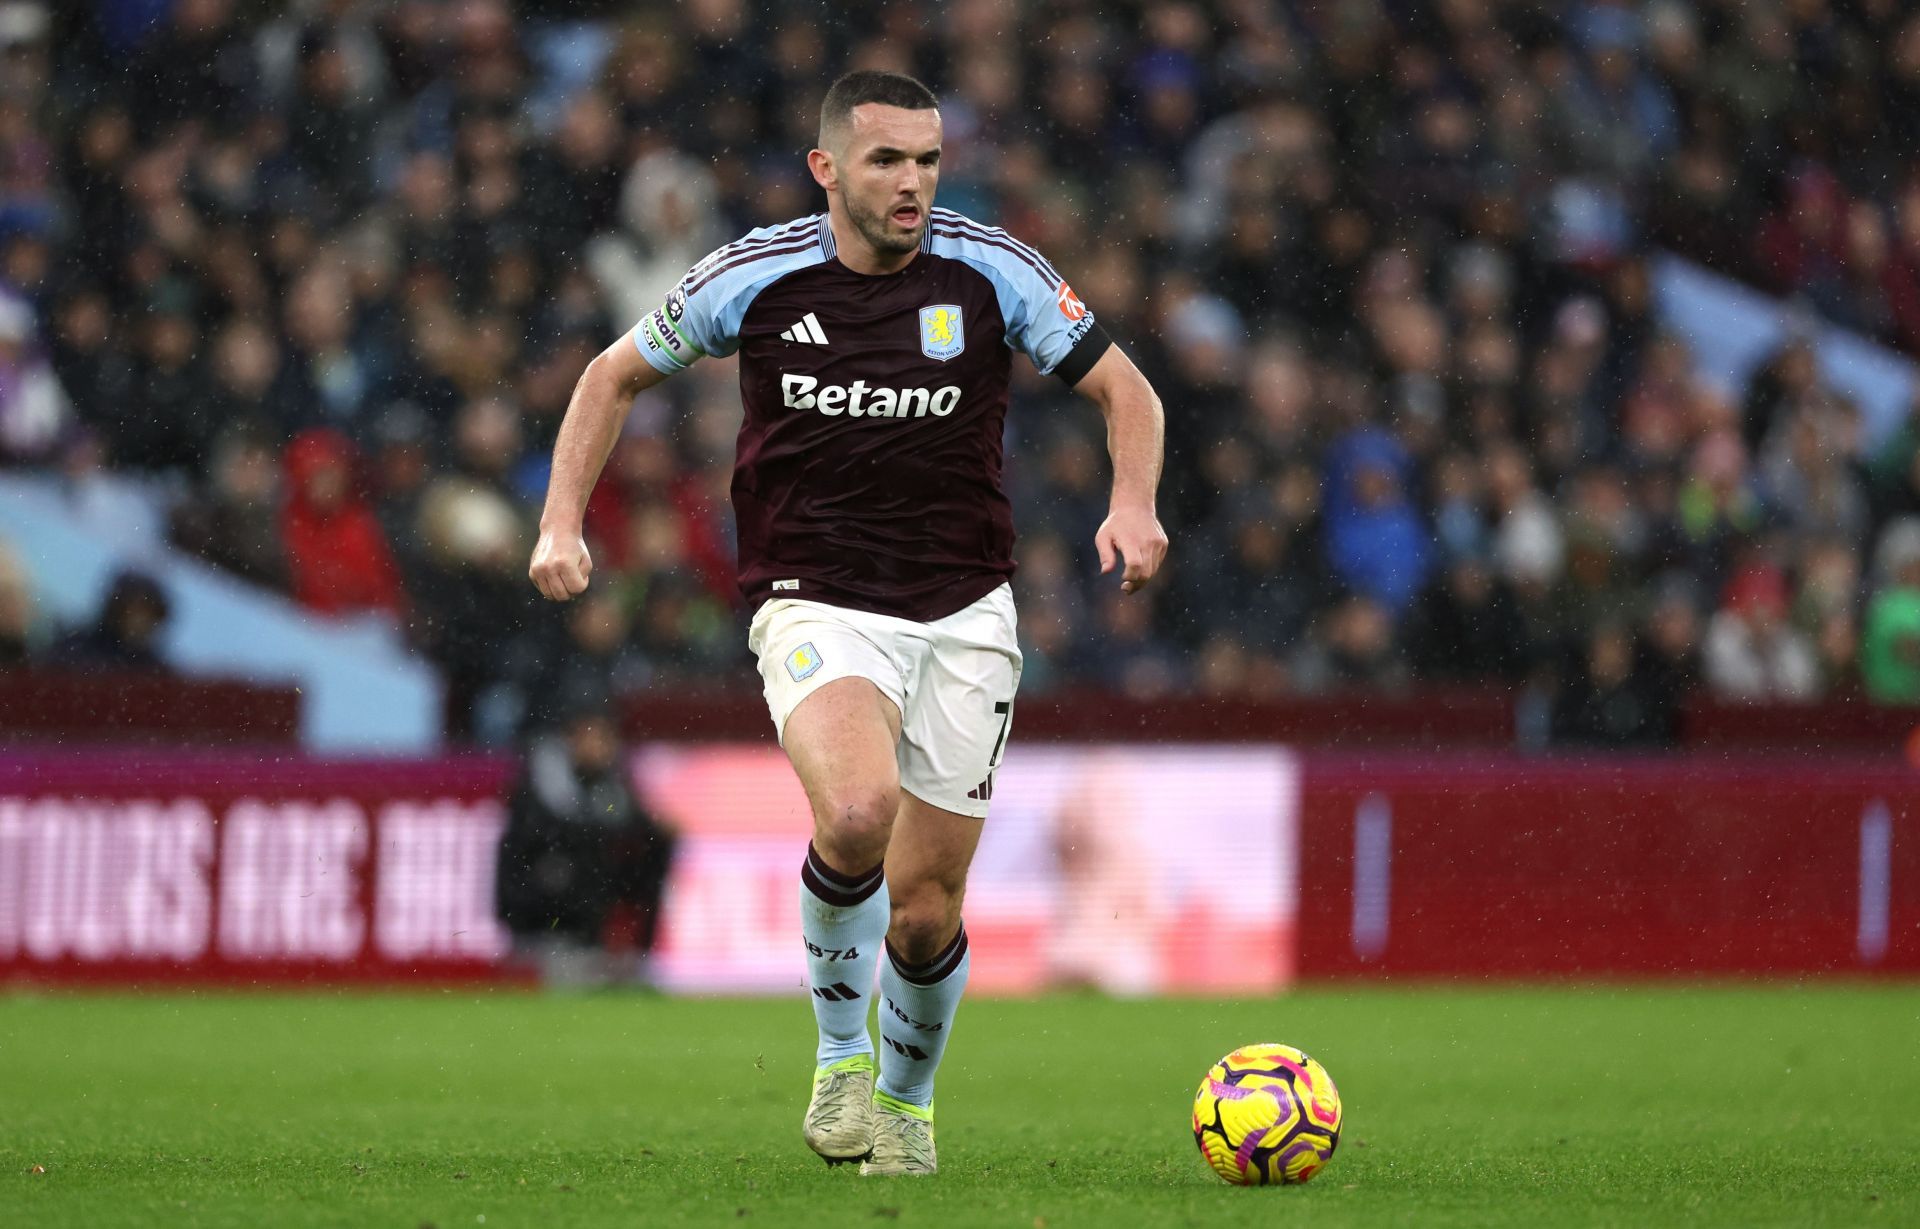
[(1450, 259)]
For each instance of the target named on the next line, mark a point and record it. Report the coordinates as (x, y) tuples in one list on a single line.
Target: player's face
[(887, 174)]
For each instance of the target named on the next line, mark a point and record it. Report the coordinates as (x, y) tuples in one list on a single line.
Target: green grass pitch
[(1534, 1107)]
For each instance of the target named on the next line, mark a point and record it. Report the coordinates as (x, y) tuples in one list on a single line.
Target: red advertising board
[(1133, 869), (133, 867), (1530, 868), (1097, 869)]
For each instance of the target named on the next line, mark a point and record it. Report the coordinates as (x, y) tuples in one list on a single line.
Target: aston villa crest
[(941, 336)]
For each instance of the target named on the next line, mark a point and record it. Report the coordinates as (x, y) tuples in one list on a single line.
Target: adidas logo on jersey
[(807, 329), (859, 400)]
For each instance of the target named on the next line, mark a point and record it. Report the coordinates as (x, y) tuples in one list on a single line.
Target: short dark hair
[(867, 85)]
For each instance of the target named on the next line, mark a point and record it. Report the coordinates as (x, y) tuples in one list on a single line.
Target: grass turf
[(1708, 1106)]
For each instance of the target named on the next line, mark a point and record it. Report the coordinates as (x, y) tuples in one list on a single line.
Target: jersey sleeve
[(702, 314), (688, 326), (1056, 329), (1044, 318)]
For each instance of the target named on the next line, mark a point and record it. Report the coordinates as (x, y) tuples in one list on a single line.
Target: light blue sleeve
[(669, 335), (1045, 320), (702, 314)]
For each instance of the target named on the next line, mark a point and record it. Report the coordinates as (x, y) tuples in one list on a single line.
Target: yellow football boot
[(839, 1122), (902, 1138)]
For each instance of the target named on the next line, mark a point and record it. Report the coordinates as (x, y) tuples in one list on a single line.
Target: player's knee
[(925, 916), (857, 820)]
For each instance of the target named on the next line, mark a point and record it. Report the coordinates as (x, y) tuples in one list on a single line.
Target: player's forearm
[(1136, 440), (587, 433)]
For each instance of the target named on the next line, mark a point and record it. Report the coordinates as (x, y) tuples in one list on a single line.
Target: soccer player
[(875, 545)]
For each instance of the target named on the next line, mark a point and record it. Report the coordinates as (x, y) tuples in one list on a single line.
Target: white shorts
[(953, 680)]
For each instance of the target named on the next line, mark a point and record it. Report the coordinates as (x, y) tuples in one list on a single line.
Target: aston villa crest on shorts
[(941, 336), (803, 661)]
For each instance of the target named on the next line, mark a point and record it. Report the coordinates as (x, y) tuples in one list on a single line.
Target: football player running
[(875, 547)]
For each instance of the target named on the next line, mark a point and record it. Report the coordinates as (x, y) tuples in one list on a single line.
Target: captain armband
[(1088, 348)]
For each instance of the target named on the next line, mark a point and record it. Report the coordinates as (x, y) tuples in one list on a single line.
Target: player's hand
[(1133, 537), (561, 564)]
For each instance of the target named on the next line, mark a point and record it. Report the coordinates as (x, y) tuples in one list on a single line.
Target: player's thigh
[(927, 863), (842, 740), (834, 691)]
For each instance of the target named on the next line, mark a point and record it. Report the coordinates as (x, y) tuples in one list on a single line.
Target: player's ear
[(820, 162)]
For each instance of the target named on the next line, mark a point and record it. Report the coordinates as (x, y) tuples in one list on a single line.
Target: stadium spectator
[(16, 612), (338, 558), (1890, 645), (33, 406), (1053, 620), (587, 649), (401, 468), (126, 635), (1826, 607), (166, 425), (668, 220), (1466, 627), (1752, 651), (232, 522), (473, 596), (1351, 645), (1802, 245), (332, 381), (250, 385), (1528, 544), (1264, 586), (1606, 701), (95, 371), (581, 856), (1669, 663), (1376, 542), (1124, 654)]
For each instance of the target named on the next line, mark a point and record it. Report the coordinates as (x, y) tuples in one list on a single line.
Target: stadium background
[(1543, 606), (1536, 381), (1400, 272)]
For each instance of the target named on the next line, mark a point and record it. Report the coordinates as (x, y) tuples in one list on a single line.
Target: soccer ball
[(1267, 1113)]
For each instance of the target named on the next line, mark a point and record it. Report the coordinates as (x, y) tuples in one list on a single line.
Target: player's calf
[(924, 920), (843, 923), (918, 1002)]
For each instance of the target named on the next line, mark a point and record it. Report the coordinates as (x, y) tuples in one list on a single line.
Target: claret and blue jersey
[(868, 472)]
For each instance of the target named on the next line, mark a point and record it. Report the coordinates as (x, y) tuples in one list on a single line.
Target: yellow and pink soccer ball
[(1267, 1114)]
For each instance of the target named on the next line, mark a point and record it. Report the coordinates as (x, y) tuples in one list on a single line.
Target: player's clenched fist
[(561, 564), (1132, 537)]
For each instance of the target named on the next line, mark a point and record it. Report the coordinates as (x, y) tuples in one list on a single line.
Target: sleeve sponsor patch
[(1070, 305)]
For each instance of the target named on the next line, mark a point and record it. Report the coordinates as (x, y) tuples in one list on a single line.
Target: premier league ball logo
[(941, 336)]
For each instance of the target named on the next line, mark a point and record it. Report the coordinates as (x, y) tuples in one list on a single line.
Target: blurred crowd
[(330, 270)]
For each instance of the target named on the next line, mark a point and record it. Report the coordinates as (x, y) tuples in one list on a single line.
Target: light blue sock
[(917, 1006), (844, 922)]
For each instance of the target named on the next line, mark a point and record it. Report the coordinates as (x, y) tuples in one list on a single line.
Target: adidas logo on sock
[(906, 1049), (838, 992), (807, 329)]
